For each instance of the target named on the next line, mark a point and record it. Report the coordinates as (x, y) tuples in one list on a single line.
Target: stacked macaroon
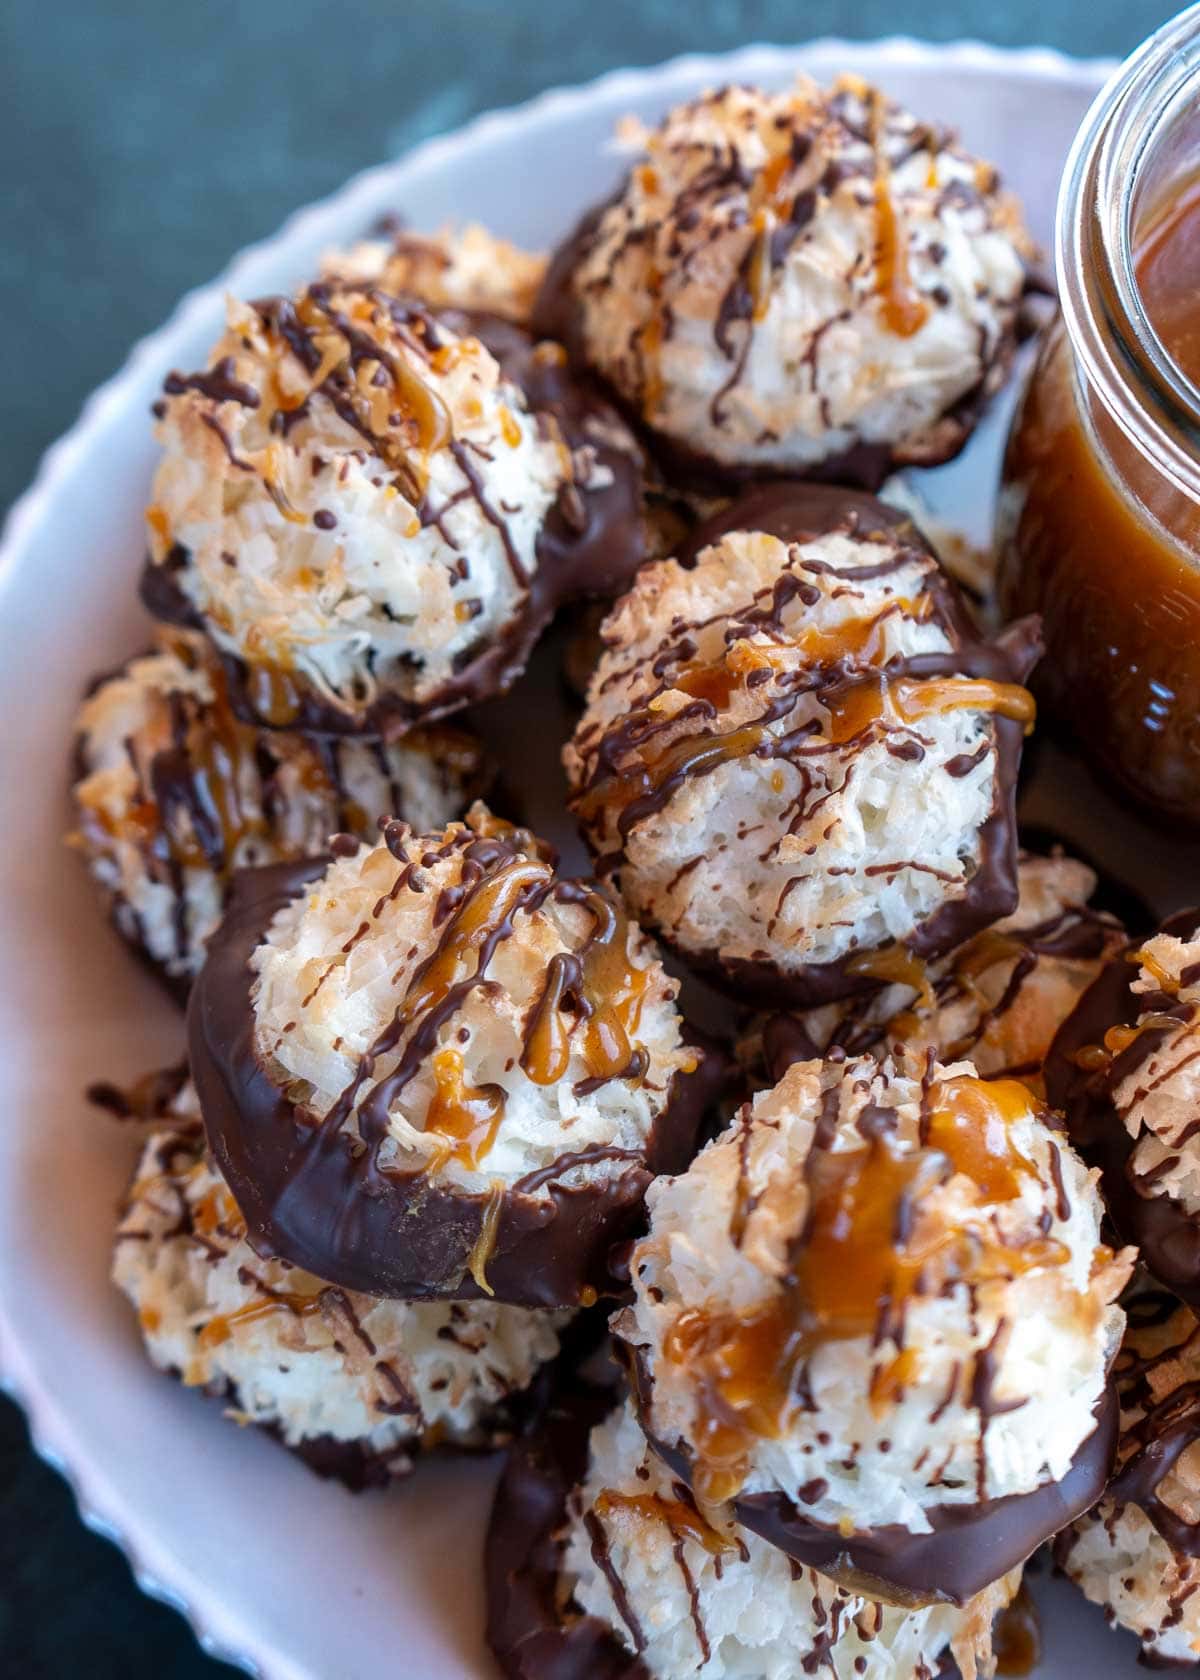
[(1123, 1069), (441, 1100)]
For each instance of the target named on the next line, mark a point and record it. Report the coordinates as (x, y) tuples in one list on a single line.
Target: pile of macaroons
[(804, 1334)]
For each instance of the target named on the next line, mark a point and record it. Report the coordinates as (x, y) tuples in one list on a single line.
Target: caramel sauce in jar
[(1099, 520)]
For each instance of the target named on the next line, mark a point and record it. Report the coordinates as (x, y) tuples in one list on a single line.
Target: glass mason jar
[(1099, 514)]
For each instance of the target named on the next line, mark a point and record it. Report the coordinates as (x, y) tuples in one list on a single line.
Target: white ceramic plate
[(288, 1576)]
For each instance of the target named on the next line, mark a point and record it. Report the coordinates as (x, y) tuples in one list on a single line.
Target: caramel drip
[(895, 966), (603, 989), (1165, 982), (497, 883), (905, 701), (868, 1246), (1017, 1637), (224, 1325), (358, 368), (273, 694), (466, 1116), (613, 992), (852, 709), (1092, 1058), (485, 1243), (904, 310), (681, 1519), (547, 1049), (653, 336)]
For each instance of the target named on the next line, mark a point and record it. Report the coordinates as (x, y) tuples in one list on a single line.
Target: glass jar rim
[(1127, 365)]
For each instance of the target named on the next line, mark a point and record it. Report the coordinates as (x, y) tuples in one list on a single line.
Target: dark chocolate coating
[(557, 314), (526, 1629), (590, 544), (797, 511), (309, 1198), (968, 1546), (1168, 1236)]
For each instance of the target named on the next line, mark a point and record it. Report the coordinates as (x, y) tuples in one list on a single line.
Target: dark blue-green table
[(141, 143)]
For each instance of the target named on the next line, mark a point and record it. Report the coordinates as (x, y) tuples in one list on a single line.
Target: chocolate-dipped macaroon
[(354, 1385), (1137, 1553), (601, 1565), (172, 794), (998, 999), (877, 1316), (797, 756), (1125, 1070), (807, 282), (367, 514), (437, 1068)]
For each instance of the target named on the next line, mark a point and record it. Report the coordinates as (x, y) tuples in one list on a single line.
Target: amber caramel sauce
[(603, 988), (852, 709), (466, 1116), (224, 1325), (904, 310), (870, 1244), (681, 1519), (1099, 542), (1017, 1637)]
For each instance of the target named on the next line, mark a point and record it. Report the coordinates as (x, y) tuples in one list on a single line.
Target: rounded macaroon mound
[(1125, 1070), (463, 267), (436, 1068), (796, 754), (366, 515), (354, 1385), (599, 1560), (1137, 1553), (876, 1314), (172, 794), (998, 999), (808, 282)]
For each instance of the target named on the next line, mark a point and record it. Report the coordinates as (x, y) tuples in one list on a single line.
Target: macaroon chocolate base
[(794, 511), (313, 1195), (557, 314), (526, 1628), (591, 543), (1167, 1235), (968, 1546)]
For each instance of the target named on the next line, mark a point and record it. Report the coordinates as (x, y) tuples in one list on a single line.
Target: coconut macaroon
[(437, 1068), (353, 1384), (599, 1558), (811, 281), (1125, 1070), (998, 999), (364, 514), (876, 1314), (796, 755), (172, 794), (1137, 1553), (455, 268)]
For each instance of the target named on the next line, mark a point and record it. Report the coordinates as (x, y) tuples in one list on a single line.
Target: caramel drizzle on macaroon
[(633, 774), (590, 1003), (868, 1245)]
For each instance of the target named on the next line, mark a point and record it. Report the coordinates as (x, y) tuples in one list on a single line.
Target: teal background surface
[(141, 144)]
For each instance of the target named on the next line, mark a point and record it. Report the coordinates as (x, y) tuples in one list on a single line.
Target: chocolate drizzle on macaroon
[(590, 543), (624, 777), (700, 233), (314, 1190), (1111, 1034)]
